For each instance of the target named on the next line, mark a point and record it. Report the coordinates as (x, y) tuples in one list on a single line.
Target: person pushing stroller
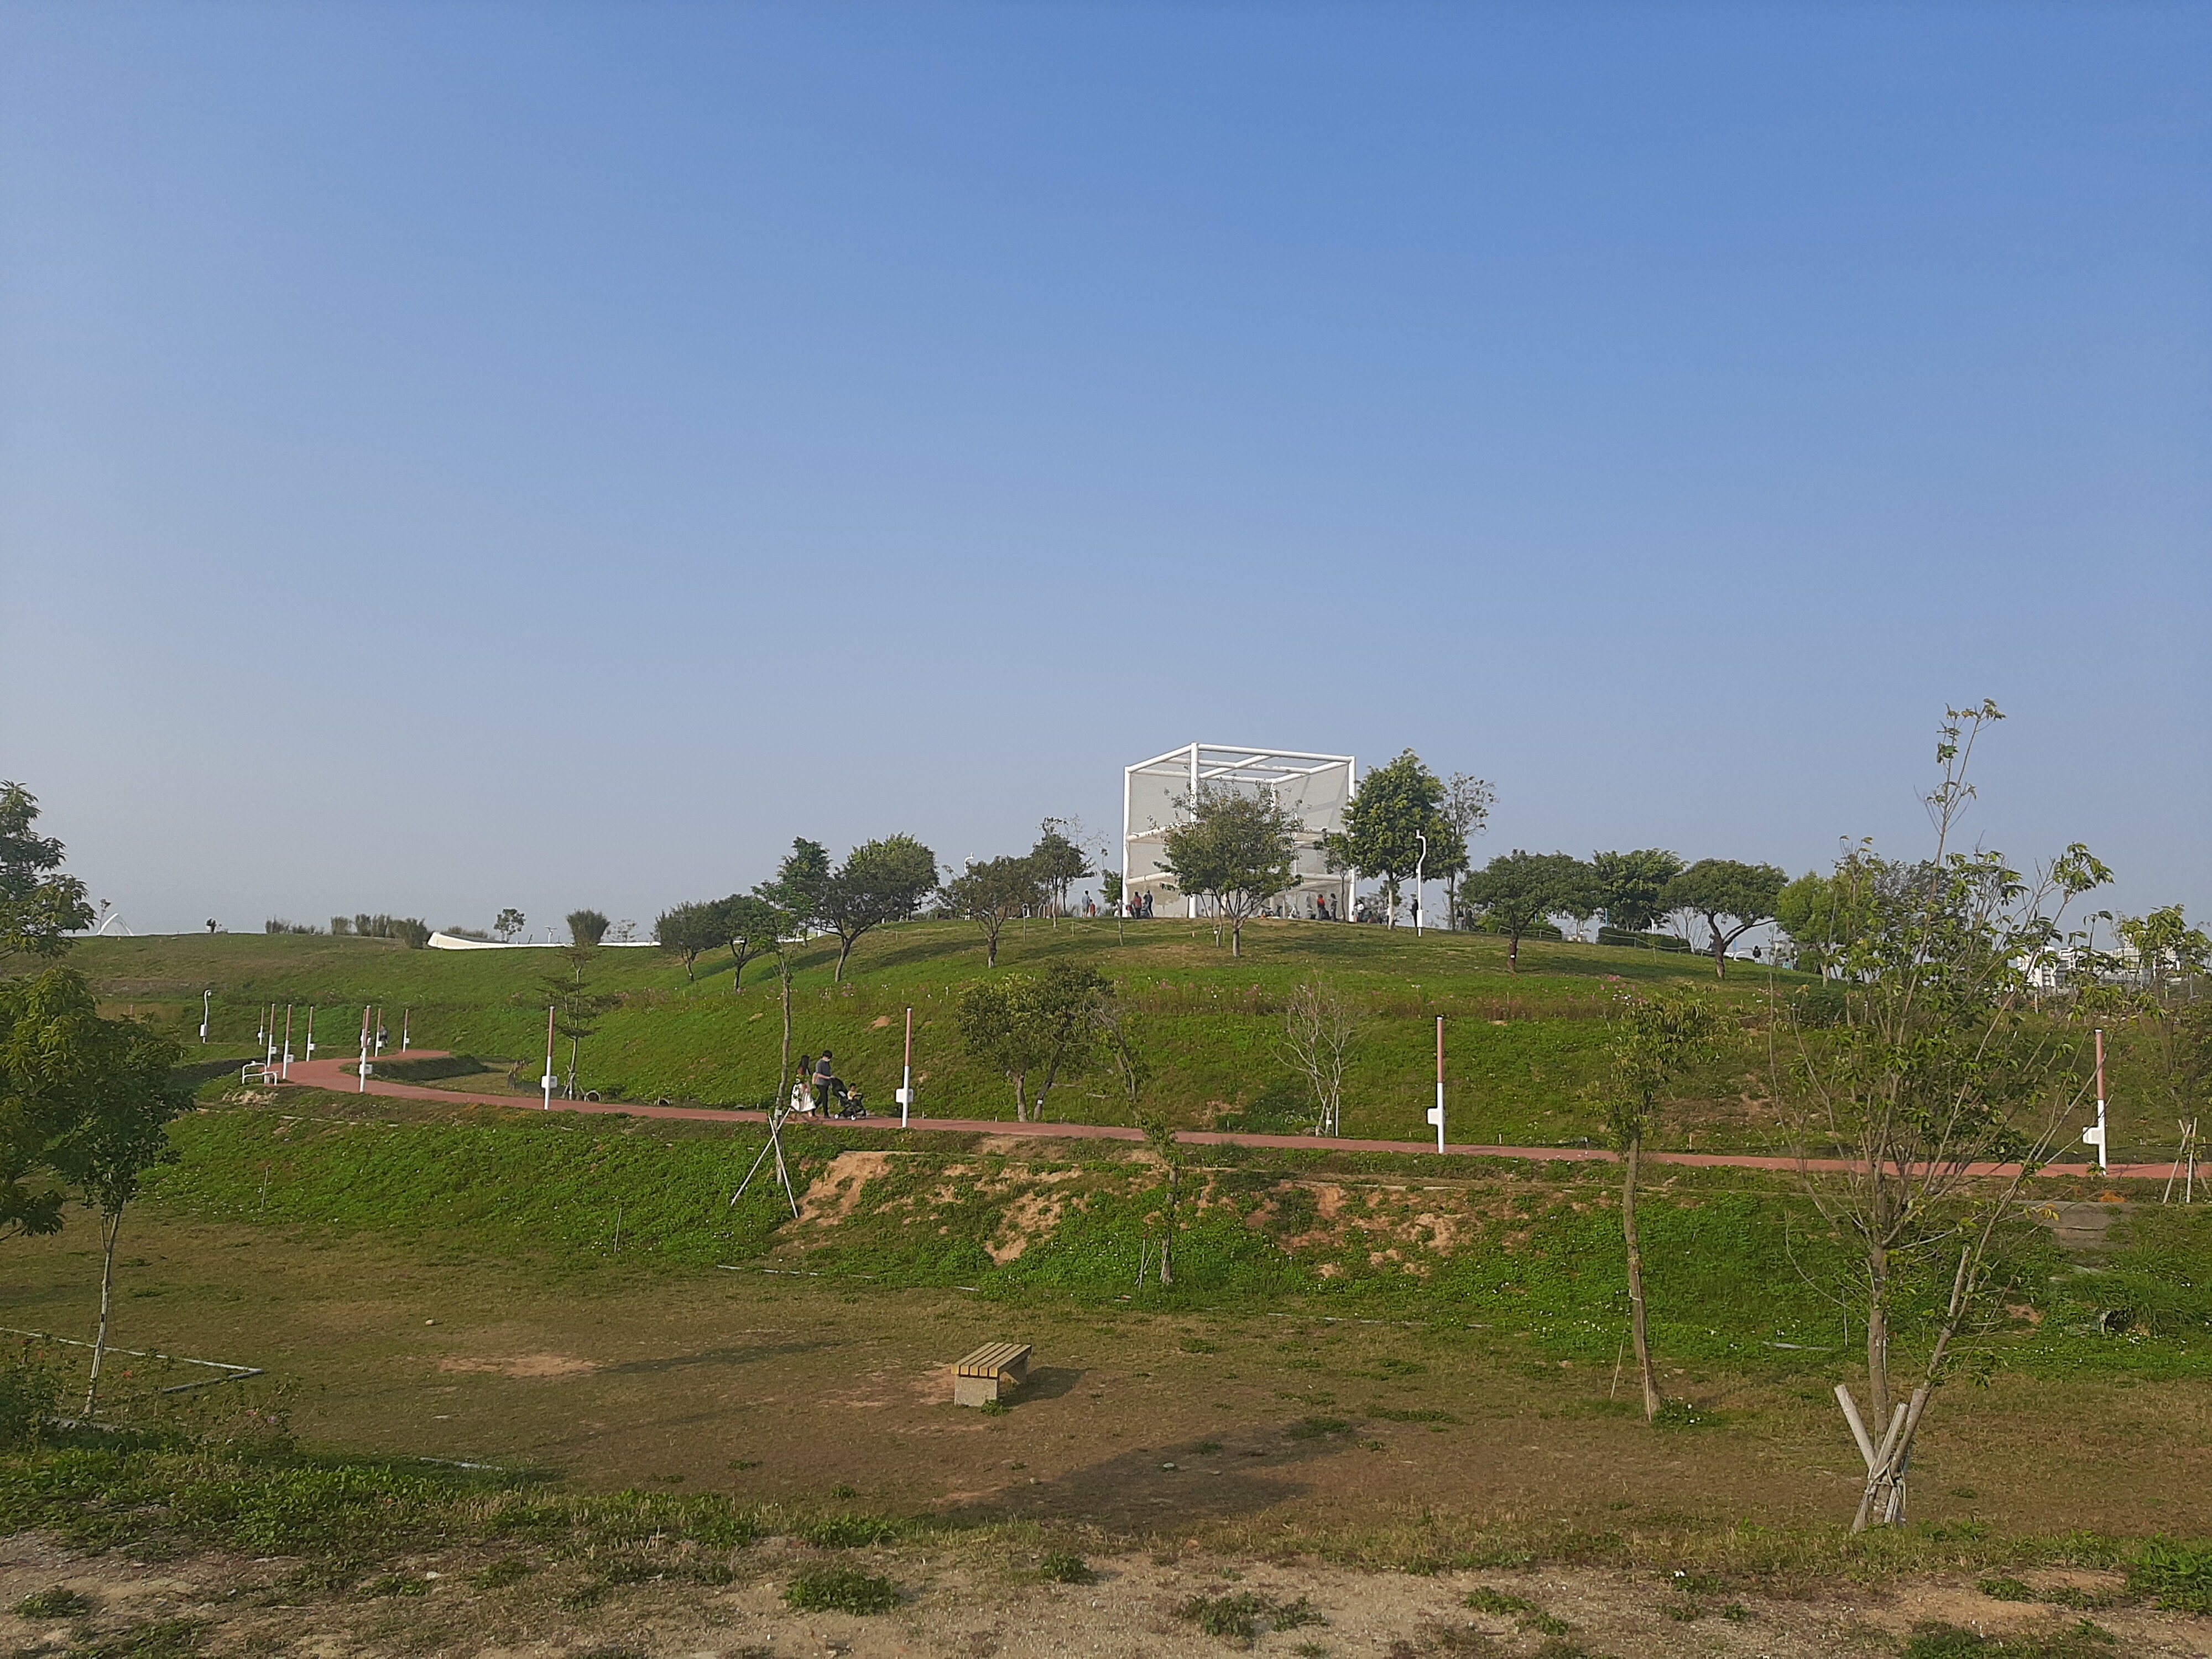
[(828, 1086)]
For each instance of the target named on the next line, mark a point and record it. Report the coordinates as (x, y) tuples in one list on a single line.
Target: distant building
[(1154, 797)]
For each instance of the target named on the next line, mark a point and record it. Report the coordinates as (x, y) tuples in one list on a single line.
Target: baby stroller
[(850, 1104)]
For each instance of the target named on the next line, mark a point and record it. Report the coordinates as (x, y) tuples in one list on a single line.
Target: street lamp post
[(1419, 865)]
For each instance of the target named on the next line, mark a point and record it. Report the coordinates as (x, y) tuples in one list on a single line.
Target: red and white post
[(285, 1074), (1440, 1083), (547, 1081), (2096, 1137), (906, 1074), (361, 1072)]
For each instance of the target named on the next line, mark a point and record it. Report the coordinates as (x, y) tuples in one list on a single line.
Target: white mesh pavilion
[(1316, 787)]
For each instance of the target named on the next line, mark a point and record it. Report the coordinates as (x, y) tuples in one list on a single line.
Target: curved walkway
[(335, 1075)]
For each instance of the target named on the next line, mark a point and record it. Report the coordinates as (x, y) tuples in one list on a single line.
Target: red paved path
[(333, 1075)]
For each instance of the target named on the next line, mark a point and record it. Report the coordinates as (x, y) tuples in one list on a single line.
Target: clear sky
[(461, 455)]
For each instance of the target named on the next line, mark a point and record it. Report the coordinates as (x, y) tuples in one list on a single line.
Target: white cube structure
[(1314, 787)]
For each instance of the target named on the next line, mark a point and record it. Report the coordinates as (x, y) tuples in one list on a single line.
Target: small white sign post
[(207, 1006), (286, 1074), (361, 1072), (546, 1082)]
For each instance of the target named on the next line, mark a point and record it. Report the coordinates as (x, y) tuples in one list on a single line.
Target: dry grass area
[(984, 1598), (1187, 1455)]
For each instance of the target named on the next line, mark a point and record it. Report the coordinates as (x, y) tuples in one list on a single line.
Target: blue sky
[(455, 456)]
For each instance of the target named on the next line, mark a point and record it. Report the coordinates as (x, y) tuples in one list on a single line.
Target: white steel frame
[(1196, 766)]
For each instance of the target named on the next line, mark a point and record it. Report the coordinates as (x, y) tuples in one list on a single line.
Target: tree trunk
[(111, 1224), (1021, 1096), (1513, 952), (783, 1066), (1878, 1334), (1636, 1321), (1167, 1243), (990, 947), (844, 950), (1236, 936), (1720, 951)]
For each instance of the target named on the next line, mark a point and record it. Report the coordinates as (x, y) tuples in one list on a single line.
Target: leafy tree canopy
[(1397, 804), (1516, 890), (75, 1093), (1235, 849), (1059, 861), (586, 926), (1732, 898), (992, 894), (1627, 886), (38, 907), (686, 930), (880, 881)]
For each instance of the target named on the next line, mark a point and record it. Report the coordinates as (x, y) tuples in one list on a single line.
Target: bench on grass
[(994, 1369)]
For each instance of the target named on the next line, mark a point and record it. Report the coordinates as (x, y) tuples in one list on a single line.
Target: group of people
[(1323, 909), (817, 1084)]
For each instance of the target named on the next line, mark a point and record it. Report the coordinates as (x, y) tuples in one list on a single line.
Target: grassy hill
[(1520, 1047)]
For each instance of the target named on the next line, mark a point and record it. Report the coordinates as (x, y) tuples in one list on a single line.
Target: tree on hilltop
[(1467, 803), (992, 894), (1731, 898), (686, 930), (880, 881), (1626, 887), (1235, 849), (1060, 859), (1397, 805), (749, 925), (1516, 890)]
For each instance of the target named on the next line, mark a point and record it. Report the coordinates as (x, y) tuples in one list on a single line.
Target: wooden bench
[(994, 1369)]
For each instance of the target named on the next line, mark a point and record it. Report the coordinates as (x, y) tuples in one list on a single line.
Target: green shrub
[(2178, 1576), (1391, 1414), (1064, 1567), (841, 1589), (1483, 1599), (1236, 1616), (28, 1389), (56, 1603), (164, 1639), (2005, 1590), (847, 1532)]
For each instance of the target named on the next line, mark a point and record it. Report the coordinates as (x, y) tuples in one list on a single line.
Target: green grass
[(841, 1589), (1521, 1046), (1532, 1251)]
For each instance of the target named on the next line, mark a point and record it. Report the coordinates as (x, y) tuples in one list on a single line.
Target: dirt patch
[(832, 1198), (522, 1366), (1028, 1218), (982, 1599)]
